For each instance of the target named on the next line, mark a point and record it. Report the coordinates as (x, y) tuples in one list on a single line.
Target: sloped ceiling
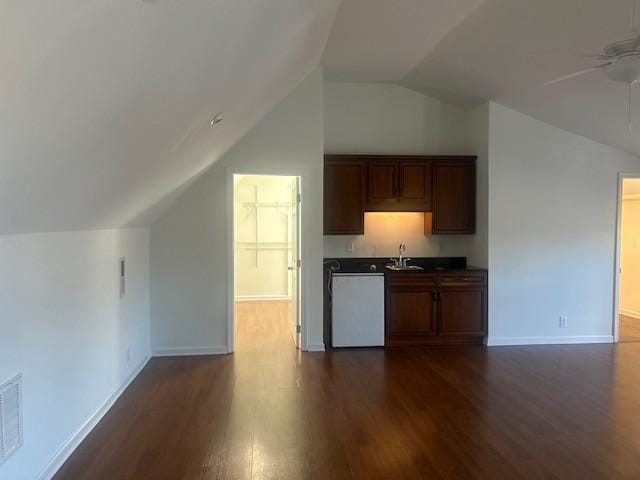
[(105, 104), (382, 40), (467, 52), (507, 49)]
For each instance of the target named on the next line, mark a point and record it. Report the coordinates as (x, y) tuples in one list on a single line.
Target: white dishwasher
[(357, 309)]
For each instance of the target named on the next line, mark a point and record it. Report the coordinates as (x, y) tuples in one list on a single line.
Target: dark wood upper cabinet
[(399, 185), (343, 196), (415, 185), (444, 187), (454, 196), (383, 183)]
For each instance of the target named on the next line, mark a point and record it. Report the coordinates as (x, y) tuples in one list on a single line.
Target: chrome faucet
[(402, 248), (401, 261)]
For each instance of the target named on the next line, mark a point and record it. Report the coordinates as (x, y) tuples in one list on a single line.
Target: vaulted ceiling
[(105, 105), (382, 40), (507, 49), (501, 50)]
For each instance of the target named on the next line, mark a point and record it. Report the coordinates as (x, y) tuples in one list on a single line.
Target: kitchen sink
[(404, 268)]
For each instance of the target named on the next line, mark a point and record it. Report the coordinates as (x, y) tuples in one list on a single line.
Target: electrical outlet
[(349, 246), (128, 355), (563, 321)]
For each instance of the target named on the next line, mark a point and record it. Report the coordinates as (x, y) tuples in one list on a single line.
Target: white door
[(294, 262)]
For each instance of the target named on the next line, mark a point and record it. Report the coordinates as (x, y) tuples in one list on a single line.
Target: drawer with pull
[(411, 280), (463, 278)]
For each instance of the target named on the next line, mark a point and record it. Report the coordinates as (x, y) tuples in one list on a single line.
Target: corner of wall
[(189, 242)]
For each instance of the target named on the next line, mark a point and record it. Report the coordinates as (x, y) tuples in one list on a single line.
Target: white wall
[(630, 258), (478, 246), (552, 223), (189, 266), (65, 329), (376, 118), (384, 231)]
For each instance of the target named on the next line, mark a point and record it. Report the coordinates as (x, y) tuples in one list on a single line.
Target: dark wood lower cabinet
[(461, 311), (411, 313), (431, 309)]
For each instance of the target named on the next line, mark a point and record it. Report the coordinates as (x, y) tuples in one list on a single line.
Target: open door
[(294, 262), (628, 261), (265, 248)]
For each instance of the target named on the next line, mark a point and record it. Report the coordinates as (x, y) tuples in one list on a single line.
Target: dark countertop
[(429, 264)]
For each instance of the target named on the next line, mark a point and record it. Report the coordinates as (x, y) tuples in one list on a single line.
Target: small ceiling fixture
[(217, 119), (622, 61)]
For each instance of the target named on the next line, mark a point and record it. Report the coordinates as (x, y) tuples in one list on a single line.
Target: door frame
[(618, 248), (302, 245)]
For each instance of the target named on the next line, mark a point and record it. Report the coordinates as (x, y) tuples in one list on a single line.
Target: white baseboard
[(315, 347), (506, 341), (188, 351), (263, 298), (70, 445), (629, 313)]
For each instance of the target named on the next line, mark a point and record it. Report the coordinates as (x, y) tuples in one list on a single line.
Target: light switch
[(122, 277)]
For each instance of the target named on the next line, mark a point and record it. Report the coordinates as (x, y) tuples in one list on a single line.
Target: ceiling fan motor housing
[(625, 66)]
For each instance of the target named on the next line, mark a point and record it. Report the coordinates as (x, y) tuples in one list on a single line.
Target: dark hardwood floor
[(269, 412)]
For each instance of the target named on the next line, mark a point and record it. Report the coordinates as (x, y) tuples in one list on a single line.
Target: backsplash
[(385, 231)]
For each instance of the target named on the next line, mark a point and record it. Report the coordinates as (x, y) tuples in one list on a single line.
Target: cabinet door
[(454, 197), (411, 312), (462, 311), (382, 191), (343, 197), (415, 186)]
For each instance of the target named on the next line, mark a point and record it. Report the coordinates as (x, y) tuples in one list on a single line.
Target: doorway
[(628, 311), (266, 262)]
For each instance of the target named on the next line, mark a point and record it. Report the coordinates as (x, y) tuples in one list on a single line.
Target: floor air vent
[(10, 417)]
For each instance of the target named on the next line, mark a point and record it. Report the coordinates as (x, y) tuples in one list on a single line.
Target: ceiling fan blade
[(577, 74), (603, 56), (598, 56)]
